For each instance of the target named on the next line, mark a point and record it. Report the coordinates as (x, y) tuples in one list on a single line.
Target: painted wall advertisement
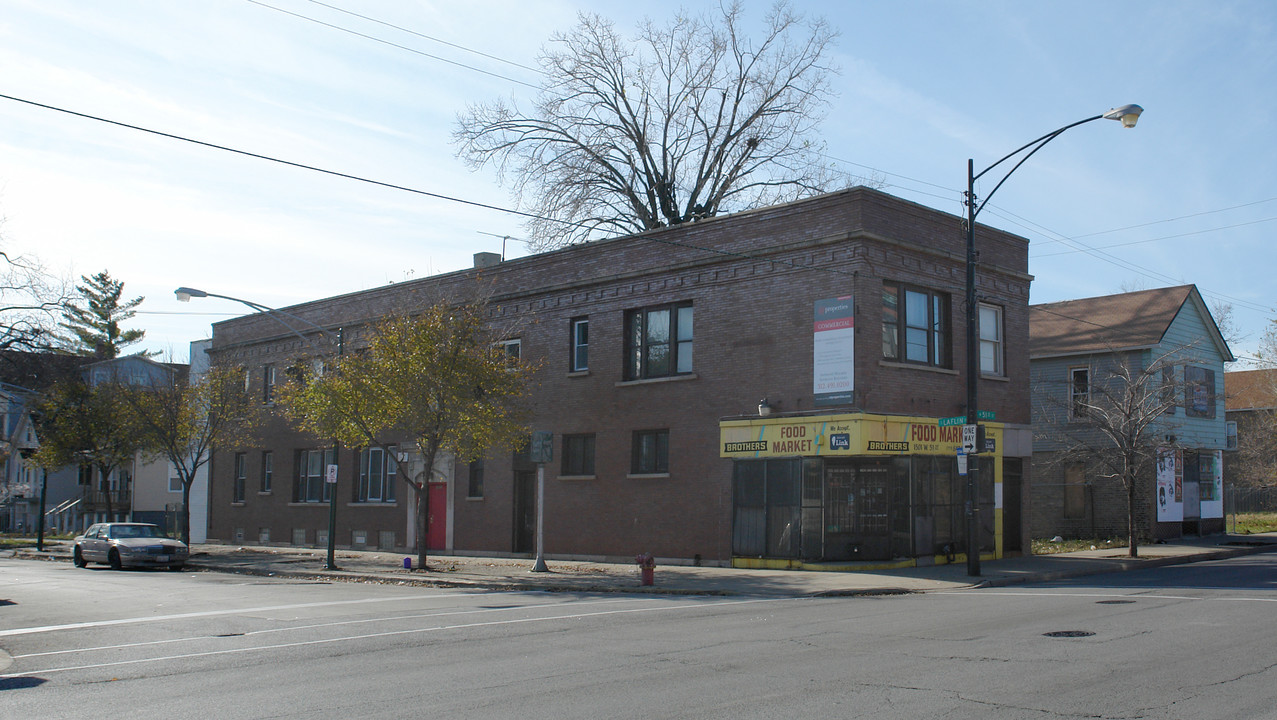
[(834, 361), (1170, 485)]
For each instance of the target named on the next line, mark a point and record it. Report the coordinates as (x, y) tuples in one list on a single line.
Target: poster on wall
[(1170, 486), (1212, 484), (834, 359)]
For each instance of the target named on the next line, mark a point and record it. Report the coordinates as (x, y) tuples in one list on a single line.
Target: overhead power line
[(393, 186), (392, 44)]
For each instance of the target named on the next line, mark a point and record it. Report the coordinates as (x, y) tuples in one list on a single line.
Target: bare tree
[(1256, 461), (683, 122), (30, 300), (1117, 423)]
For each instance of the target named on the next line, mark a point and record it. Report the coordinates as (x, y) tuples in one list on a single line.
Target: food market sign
[(841, 435)]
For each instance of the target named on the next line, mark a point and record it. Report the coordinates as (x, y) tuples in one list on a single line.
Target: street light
[(184, 294), (1127, 115)]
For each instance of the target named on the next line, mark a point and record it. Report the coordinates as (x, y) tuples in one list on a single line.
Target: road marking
[(215, 613), (393, 633), (292, 628)]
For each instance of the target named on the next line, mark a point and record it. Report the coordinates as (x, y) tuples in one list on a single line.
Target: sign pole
[(542, 452)]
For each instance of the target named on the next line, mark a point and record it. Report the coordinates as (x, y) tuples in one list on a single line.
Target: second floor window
[(580, 359), (915, 325), (1079, 392), (1199, 392), (268, 383), (991, 345), (658, 341)]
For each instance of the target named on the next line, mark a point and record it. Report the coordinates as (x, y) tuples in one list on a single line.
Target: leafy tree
[(85, 425), (186, 422), (93, 322), (683, 122), (434, 378)]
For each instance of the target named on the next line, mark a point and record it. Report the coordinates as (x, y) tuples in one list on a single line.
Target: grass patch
[(1046, 547), (1251, 523)]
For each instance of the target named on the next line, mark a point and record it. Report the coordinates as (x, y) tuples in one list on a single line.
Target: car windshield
[(135, 531)]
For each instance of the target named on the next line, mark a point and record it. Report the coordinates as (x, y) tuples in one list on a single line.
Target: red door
[(437, 521)]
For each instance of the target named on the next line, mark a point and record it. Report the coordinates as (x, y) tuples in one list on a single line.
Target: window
[(268, 470), (1199, 392), (241, 474), (513, 348), (174, 480), (1167, 395), (658, 341), (311, 467), (268, 383), (915, 325), (578, 455), (1074, 492), (377, 470), (1231, 437), (475, 487), (580, 359), (85, 476), (651, 452), (1079, 392), (991, 352)]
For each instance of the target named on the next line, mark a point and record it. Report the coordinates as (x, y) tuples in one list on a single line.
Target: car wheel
[(78, 558), (176, 568), (114, 560)]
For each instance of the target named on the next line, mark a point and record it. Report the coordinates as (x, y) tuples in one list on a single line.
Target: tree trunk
[(1132, 537), (184, 521), (423, 515)]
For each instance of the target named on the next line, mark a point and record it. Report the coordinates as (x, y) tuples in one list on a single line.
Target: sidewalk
[(578, 576)]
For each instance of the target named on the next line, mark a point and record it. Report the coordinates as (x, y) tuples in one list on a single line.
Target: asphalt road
[(1196, 641)]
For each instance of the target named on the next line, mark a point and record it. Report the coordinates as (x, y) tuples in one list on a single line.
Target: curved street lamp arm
[(266, 310), (1039, 143)]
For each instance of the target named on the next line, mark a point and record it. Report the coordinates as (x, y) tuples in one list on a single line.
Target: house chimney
[(486, 260)]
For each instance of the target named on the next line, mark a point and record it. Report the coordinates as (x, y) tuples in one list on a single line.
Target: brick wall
[(752, 279)]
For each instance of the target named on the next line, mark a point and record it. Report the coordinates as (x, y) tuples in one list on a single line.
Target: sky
[(372, 89)]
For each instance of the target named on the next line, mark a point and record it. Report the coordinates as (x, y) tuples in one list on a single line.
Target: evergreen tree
[(94, 321)]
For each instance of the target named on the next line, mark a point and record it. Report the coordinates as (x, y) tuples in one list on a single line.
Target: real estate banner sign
[(834, 361)]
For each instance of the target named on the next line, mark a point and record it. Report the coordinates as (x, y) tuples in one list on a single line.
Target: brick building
[(656, 352)]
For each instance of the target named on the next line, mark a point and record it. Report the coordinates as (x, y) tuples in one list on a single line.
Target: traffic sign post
[(542, 452)]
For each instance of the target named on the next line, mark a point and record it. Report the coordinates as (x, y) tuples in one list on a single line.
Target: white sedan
[(123, 545)]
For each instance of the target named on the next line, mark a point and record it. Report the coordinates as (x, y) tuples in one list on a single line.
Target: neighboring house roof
[(1114, 323), (1250, 390), (134, 369)]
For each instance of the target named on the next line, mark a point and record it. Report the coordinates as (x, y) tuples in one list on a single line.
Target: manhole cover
[(1069, 633), (1114, 602)]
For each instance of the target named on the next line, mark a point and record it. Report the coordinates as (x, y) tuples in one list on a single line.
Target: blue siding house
[(1081, 349)]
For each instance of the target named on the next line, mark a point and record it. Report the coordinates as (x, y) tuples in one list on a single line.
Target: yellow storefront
[(857, 488)]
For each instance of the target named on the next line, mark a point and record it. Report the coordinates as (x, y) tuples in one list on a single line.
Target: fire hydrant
[(647, 569)]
